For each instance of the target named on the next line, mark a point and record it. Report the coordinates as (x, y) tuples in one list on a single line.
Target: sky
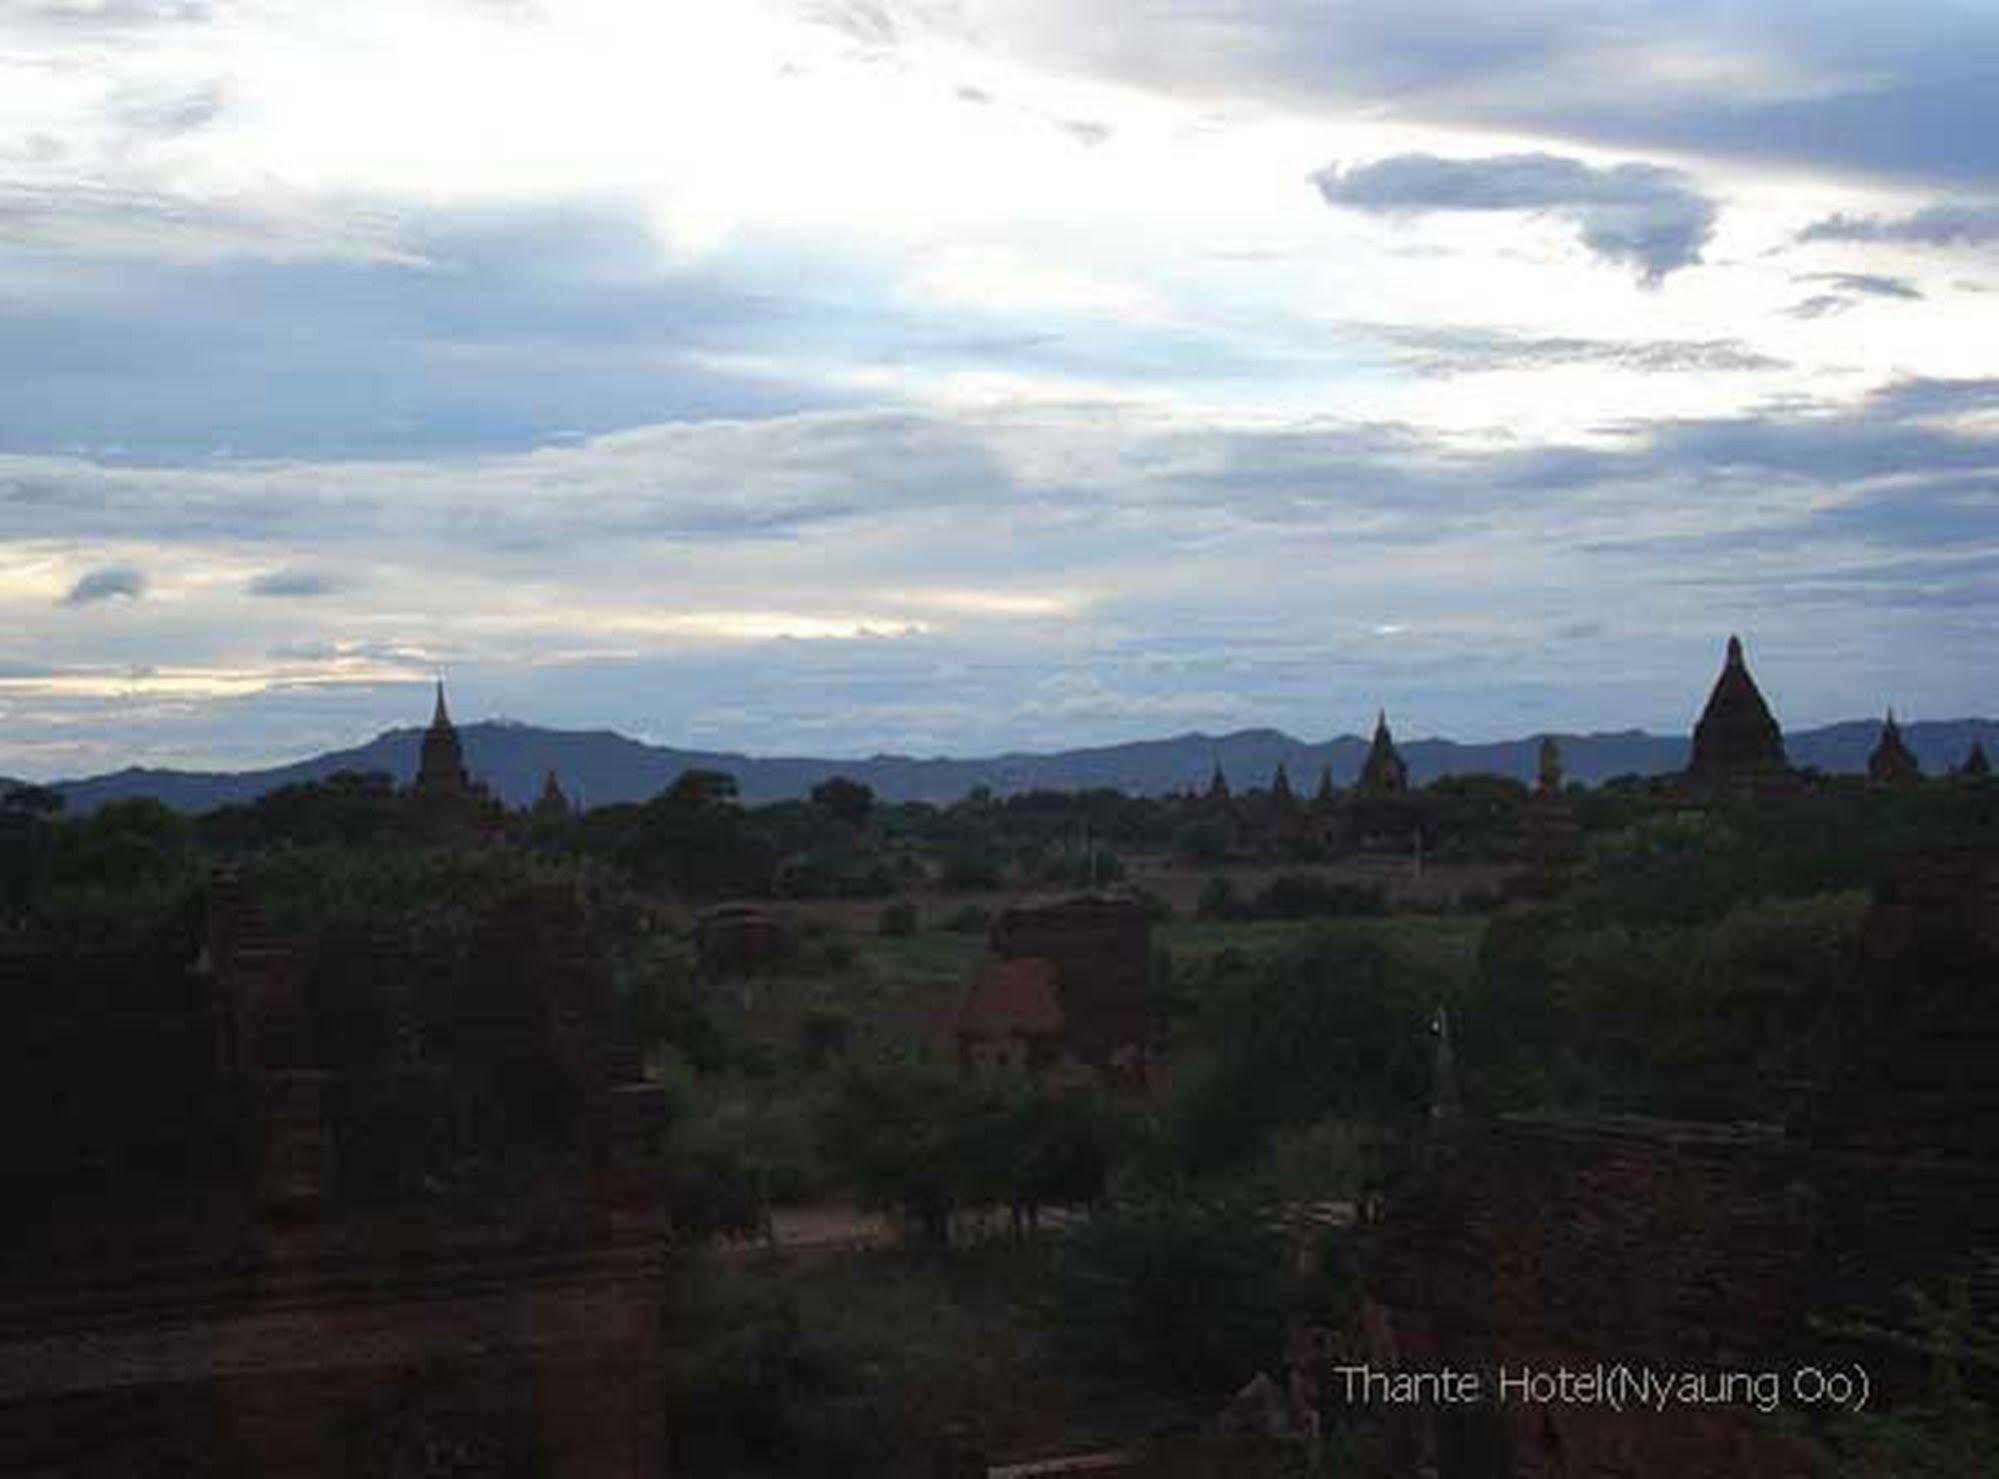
[(953, 376)]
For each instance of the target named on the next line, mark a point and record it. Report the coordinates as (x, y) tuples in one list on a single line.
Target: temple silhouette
[(1737, 745)]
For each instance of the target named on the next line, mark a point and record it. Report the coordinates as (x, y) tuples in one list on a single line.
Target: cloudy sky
[(826, 376)]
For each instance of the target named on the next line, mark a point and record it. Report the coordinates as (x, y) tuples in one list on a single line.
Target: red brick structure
[(240, 1325), (1550, 1243), (736, 940), (1098, 950), (1010, 1020)]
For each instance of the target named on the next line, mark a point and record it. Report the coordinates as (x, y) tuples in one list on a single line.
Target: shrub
[(898, 919), (823, 1036), (1309, 896), (1218, 900), (972, 919), (1184, 1296)]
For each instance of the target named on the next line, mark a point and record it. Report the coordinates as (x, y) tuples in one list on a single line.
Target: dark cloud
[(1936, 225), (106, 583), (1867, 284), (1640, 214), (1820, 305), (1905, 93), (521, 326), (294, 583)]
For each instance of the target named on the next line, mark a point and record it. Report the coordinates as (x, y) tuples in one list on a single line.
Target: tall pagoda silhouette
[(1893, 762), (1384, 772), (1737, 744), (440, 771)]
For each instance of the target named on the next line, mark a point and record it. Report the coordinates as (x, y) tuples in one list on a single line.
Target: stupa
[(1737, 744)]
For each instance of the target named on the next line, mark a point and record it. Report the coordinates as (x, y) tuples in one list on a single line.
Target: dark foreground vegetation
[(1058, 1266)]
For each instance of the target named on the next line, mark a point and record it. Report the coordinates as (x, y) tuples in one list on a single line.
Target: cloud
[(1460, 351), (96, 16), (170, 112), (1640, 214), (1157, 531), (106, 583), (1850, 289), (294, 583), (1085, 131), (92, 219), (1905, 96), (1936, 225), (1867, 284)]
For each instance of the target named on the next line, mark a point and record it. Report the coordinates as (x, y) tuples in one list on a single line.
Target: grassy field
[(1445, 943), (901, 990)]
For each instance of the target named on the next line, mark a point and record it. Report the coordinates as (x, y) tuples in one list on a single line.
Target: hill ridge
[(601, 765)]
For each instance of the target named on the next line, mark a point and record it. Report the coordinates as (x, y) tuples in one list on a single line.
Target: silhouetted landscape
[(1343, 1124), (514, 758), (999, 739)]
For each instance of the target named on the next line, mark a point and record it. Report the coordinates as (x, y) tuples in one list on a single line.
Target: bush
[(827, 952), (1202, 842), (898, 919), (969, 868), (1218, 900), (1332, 1026), (1186, 1297), (1310, 896), (972, 919), (823, 1036)]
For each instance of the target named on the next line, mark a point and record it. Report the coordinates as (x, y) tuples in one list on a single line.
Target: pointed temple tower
[(1892, 762), (1384, 772), (441, 769), (1737, 744), (1218, 784), (553, 803)]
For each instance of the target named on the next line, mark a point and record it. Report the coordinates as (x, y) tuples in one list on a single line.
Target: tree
[(907, 1137), (1186, 1295), (694, 837), (844, 800), (1332, 1026)]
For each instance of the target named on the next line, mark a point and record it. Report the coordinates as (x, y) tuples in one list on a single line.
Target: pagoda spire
[(1384, 770), (1892, 760), (1736, 739), (1548, 767), (441, 761)]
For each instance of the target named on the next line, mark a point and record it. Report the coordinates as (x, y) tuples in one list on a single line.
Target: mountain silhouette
[(598, 766)]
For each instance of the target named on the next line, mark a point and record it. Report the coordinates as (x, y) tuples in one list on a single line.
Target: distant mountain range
[(598, 766)]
